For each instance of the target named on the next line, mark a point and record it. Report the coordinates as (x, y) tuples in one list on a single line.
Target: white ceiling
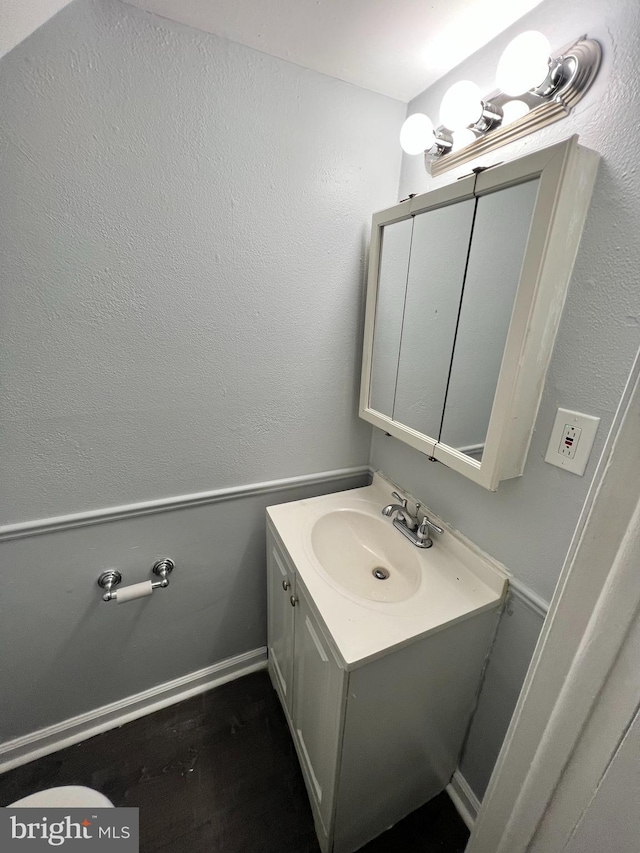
[(395, 47), (19, 18)]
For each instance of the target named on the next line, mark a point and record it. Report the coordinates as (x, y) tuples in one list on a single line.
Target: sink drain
[(380, 574)]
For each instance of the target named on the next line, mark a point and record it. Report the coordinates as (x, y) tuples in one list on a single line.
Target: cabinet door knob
[(285, 585), (293, 600)]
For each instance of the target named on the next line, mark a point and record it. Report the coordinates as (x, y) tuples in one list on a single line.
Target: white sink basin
[(365, 555), (335, 541)]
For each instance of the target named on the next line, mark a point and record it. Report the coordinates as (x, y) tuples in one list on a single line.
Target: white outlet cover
[(588, 426)]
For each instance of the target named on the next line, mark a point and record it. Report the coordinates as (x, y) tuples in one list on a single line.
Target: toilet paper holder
[(112, 578)]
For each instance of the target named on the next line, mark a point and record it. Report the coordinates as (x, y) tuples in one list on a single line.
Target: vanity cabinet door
[(318, 709), (281, 588)]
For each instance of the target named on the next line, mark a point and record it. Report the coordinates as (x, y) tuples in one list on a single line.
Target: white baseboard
[(45, 741), (463, 798)]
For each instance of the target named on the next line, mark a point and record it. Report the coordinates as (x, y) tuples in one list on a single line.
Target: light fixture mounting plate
[(584, 54)]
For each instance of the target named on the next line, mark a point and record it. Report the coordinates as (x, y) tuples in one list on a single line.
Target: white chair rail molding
[(535, 87)]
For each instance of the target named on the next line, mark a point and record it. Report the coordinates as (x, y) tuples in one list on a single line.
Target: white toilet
[(67, 797)]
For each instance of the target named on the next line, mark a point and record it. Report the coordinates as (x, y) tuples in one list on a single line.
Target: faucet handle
[(400, 499), (422, 533), (426, 525)]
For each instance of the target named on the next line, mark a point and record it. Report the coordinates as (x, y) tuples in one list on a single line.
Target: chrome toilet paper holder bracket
[(112, 578)]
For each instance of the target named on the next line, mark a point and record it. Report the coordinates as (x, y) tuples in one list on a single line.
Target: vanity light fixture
[(462, 107), (524, 63), (536, 88), (513, 110), (462, 138), (417, 134)]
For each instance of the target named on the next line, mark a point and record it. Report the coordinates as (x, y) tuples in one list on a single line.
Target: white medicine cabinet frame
[(564, 175)]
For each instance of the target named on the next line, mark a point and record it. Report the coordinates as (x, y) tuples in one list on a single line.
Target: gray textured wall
[(183, 234), (528, 523), (65, 652), (511, 653)]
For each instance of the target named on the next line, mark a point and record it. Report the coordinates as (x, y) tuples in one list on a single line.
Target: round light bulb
[(461, 105), (462, 138), (513, 110), (416, 134), (524, 63)]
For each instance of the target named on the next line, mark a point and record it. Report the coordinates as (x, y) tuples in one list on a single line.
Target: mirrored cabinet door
[(500, 232), (392, 285), (431, 306)]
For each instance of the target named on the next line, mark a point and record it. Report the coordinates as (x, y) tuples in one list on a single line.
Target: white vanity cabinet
[(319, 683), (308, 679), (280, 593), (376, 738)]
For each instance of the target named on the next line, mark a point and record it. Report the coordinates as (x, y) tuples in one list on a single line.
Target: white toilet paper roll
[(136, 590)]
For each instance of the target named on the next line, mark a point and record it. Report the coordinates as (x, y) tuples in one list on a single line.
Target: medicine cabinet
[(465, 292)]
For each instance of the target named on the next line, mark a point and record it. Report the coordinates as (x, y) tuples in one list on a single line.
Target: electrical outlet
[(571, 440)]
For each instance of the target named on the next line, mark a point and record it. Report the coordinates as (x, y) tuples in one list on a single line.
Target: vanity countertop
[(457, 580)]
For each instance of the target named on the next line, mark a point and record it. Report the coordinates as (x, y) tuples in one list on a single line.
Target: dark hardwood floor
[(218, 774)]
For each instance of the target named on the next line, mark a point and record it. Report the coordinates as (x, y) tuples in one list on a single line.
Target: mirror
[(431, 303), (465, 291), (500, 230), (394, 266), (448, 277), (420, 284)]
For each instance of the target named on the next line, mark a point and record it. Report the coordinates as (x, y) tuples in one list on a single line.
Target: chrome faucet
[(417, 532), (404, 515)]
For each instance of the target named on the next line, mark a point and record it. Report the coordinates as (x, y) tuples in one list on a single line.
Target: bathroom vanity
[(376, 649)]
